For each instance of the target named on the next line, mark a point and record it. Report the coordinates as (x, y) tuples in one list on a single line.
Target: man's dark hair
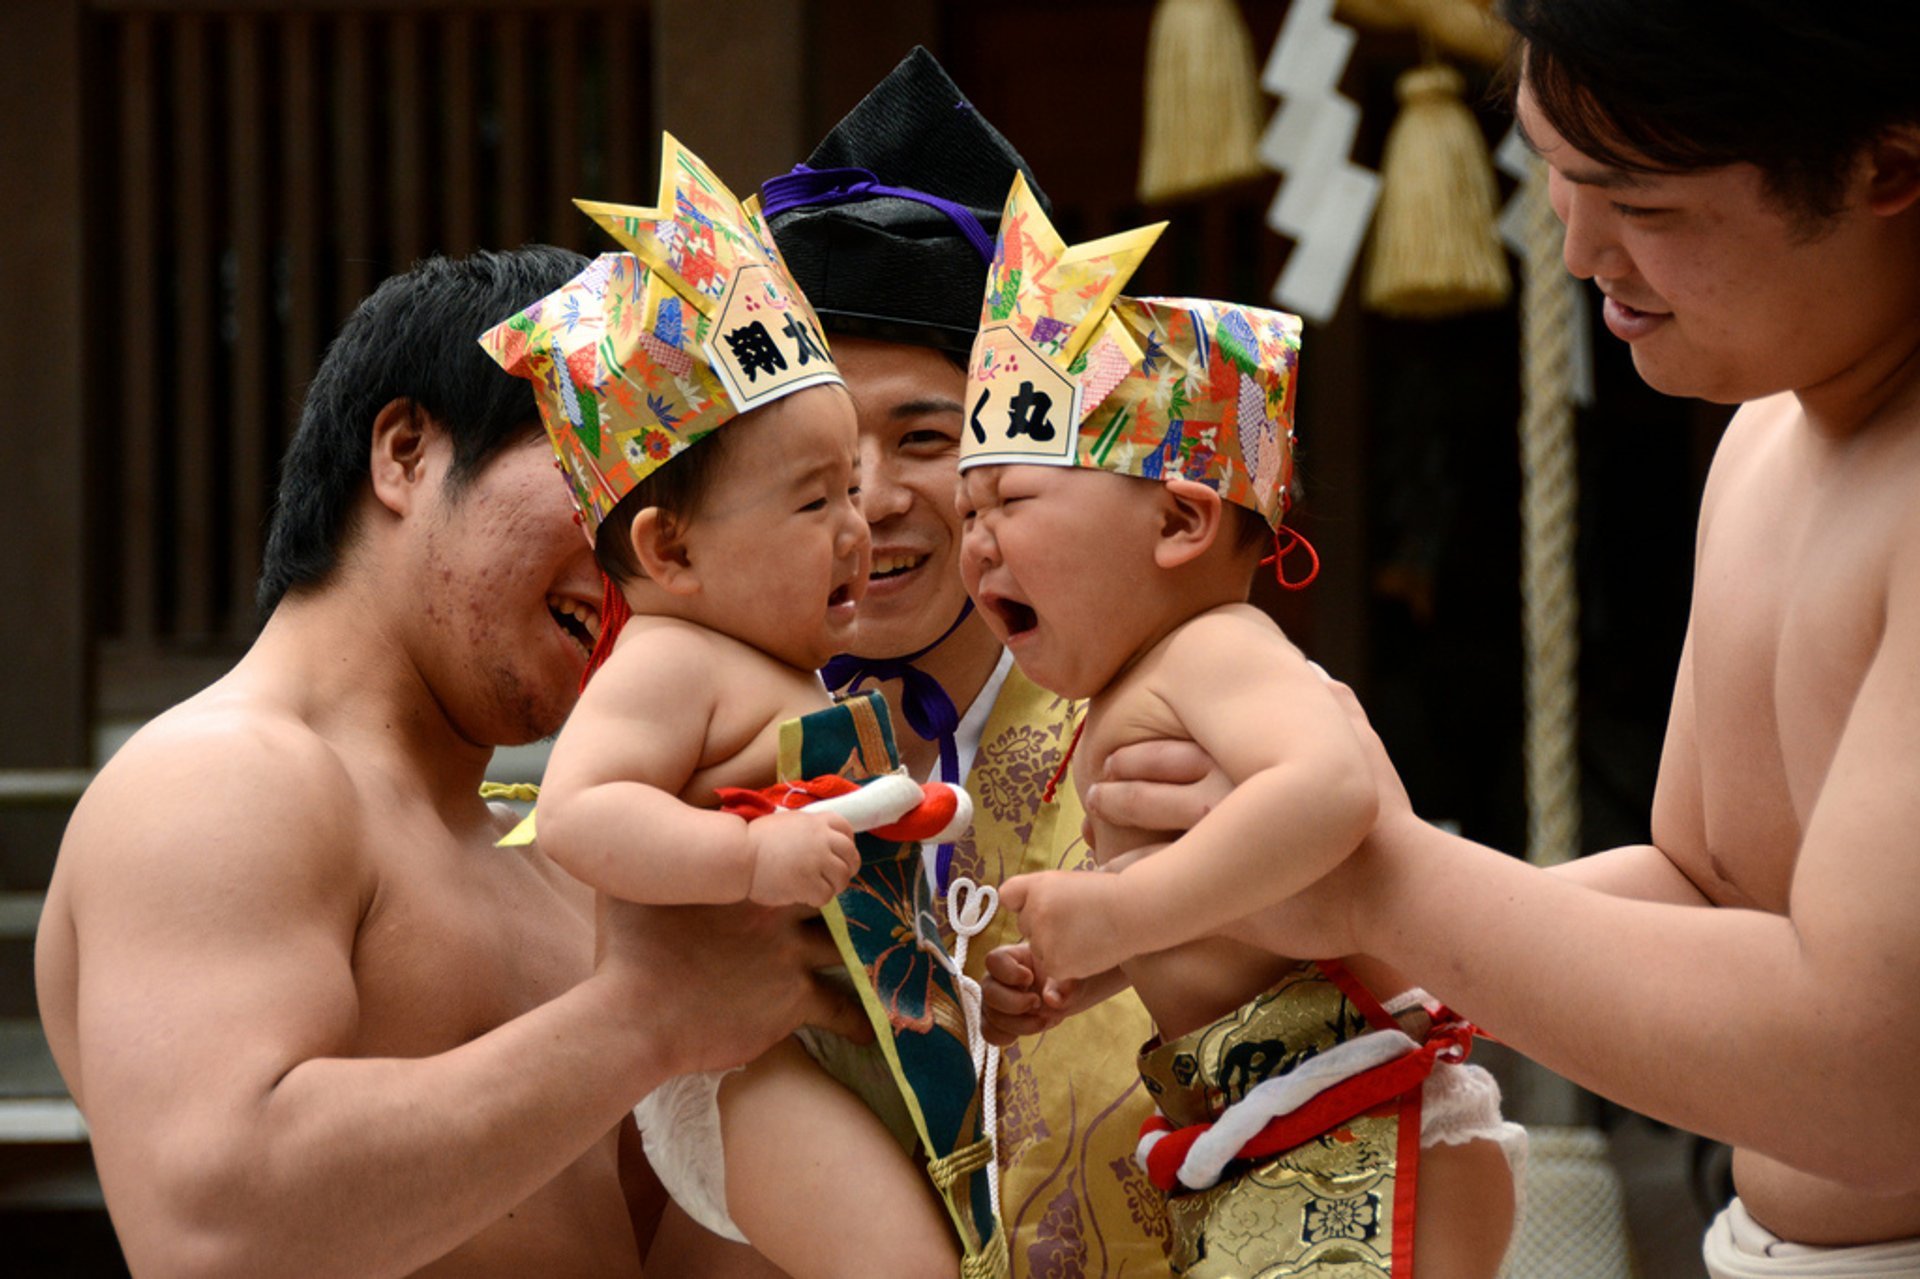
[(415, 338), (1794, 87)]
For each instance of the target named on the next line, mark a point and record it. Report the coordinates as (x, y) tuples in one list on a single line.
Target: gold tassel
[(1202, 101), (1436, 246)]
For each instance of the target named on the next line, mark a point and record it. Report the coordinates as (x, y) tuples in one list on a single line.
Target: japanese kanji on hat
[(1068, 372), (646, 352), (889, 224)]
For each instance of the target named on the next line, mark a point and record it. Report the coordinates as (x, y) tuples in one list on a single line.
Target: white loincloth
[(1738, 1247)]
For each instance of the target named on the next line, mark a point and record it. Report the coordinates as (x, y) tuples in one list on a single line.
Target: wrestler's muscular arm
[(1303, 798), (610, 808), (1640, 995), (212, 900)]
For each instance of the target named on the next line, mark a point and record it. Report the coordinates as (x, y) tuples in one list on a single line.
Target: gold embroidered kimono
[(1074, 1202)]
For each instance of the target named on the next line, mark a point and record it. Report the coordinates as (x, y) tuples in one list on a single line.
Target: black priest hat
[(890, 223)]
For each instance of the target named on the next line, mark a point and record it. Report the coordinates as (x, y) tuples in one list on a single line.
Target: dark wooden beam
[(46, 489), (728, 81)]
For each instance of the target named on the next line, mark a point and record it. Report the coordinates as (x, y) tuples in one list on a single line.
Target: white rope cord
[(970, 908), (1550, 599), (1271, 1098)]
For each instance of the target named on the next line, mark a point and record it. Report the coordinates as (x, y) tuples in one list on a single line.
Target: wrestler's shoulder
[(220, 772)]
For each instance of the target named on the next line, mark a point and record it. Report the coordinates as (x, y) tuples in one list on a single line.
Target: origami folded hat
[(1067, 372), (889, 224), (645, 352)]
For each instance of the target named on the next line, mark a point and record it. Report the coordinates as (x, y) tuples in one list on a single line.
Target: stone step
[(27, 1071), (38, 787), (19, 916), (34, 806), (34, 1106)]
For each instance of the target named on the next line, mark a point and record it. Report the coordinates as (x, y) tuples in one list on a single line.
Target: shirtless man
[(1751, 209), (326, 1027)]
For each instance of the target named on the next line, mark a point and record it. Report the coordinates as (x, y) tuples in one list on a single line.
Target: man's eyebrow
[(923, 407), (1603, 176)]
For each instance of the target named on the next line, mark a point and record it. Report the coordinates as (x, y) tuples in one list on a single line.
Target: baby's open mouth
[(578, 620), (1016, 617)]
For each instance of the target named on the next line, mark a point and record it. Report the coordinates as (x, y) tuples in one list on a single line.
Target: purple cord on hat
[(805, 186)]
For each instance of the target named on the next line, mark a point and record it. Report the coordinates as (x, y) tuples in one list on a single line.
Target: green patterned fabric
[(879, 923)]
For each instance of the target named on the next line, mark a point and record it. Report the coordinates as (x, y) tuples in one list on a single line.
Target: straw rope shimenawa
[(1203, 101), (1550, 598), (1463, 28)]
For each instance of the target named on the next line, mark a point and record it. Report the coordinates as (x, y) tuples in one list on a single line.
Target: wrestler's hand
[(1163, 786), (712, 987), (801, 858), (1071, 920)]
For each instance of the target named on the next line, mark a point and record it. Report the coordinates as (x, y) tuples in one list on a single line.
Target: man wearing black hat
[(888, 227)]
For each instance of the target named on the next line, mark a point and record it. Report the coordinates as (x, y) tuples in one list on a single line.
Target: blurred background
[(195, 192)]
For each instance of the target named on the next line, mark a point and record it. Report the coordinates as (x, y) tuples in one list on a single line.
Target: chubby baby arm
[(800, 858), (1303, 794), (610, 812), (641, 844), (1071, 920)]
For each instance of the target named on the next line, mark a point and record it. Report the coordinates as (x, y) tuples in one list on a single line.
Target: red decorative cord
[(1283, 548), (1053, 783), (613, 615)]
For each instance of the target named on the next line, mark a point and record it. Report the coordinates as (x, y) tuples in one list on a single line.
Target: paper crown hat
[(1067, 372), (645, 352), (889, 224)]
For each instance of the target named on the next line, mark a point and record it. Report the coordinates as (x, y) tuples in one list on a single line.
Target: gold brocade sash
[(1338, 1206)]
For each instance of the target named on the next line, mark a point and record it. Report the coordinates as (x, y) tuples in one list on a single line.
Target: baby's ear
[(660, 547), (1190, 516)]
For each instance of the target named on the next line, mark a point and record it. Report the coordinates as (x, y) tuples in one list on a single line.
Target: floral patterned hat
[(646, 352), (1068, 372)]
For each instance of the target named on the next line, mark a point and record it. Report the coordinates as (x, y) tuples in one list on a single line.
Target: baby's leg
[(681, 1246), (1465, 1212), (817, 1184)]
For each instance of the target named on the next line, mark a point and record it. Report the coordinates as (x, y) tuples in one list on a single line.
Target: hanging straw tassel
[(1203, 101), (1436, 248)]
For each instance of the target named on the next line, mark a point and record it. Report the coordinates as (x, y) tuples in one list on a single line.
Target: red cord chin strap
[(1285, 542), (613, 615)]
